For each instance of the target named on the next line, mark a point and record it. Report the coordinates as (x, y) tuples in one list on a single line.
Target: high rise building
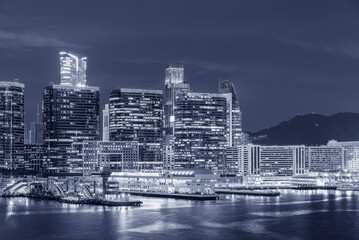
[(168, 156), (174, 85), (325, 158), (70, 115), (136, 115), (200, 129), (36, 134), (234, 115), (73, 69), (106, 123), (232, 160), (351, 154), (12, 126)]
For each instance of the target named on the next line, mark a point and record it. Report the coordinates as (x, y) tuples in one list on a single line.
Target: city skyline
[(263, 50), (175, 129), (160, 119)]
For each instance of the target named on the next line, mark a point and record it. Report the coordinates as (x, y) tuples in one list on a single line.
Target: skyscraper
[(73, 69), (36, 131), (234, 115), (71, 115), (12, 126), (174, 85), (136, 115), (200, 129), (106, 123)]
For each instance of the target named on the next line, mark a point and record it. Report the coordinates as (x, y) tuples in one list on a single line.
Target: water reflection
[(249, 217)]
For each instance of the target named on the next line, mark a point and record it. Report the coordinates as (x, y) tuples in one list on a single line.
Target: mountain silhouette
[(310, 129)]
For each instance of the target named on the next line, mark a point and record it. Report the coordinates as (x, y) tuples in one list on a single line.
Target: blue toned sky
[(285, 57)]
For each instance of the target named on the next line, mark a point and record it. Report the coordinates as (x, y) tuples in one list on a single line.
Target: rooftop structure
[(73, 69)]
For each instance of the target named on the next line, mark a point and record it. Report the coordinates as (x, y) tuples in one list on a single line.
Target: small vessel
[(348, 187)]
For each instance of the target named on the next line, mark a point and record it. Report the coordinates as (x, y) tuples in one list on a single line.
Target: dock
[(266, 193), (90, 201), (99, 201), (173, 195)]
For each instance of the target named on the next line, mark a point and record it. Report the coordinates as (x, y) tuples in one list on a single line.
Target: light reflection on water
[(290, 216)]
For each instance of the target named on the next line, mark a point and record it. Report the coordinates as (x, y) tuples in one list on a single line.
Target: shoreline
[(173, 195), (93, 201), (265, 193)]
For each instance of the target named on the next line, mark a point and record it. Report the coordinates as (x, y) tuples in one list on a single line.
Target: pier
[(174, 195), (100, 201), (72, 200), (266, 193)]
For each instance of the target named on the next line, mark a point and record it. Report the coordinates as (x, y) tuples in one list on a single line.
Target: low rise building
[(193, 181), (109, 156), (272, 160)]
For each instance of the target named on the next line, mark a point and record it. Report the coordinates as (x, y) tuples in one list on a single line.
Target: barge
[(266, 193)]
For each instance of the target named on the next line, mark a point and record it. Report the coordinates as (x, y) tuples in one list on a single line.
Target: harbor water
[(296, 214)]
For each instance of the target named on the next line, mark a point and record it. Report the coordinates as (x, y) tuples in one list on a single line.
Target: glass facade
[(12, 126), (234, 115), (198, 127), (73, 69), (136, 115), (34, 154), (200, 130), (106, 123), (70, 115), (174, 85)]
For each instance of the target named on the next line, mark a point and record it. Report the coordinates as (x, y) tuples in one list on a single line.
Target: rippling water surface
[(317, 214)]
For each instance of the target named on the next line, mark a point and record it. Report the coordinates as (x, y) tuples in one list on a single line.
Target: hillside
[(310, 129)]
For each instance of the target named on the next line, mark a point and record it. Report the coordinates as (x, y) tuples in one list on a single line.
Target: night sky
[(285, 57)]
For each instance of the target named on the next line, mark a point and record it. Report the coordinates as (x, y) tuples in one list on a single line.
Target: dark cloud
[(285, 57)]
